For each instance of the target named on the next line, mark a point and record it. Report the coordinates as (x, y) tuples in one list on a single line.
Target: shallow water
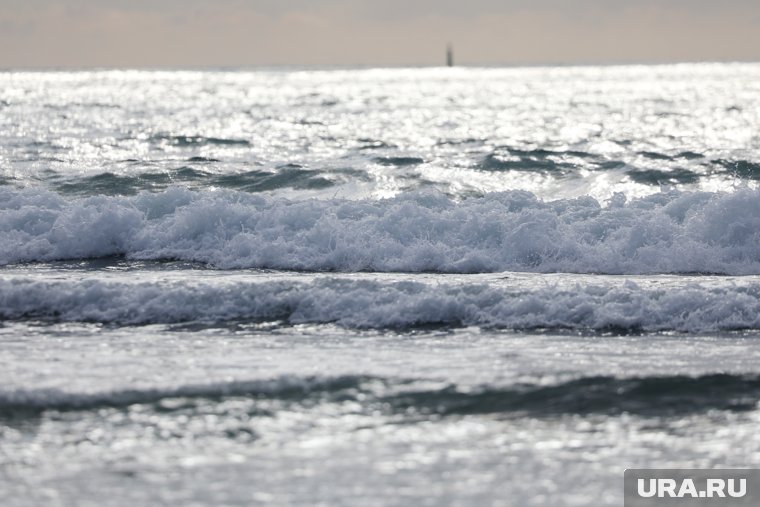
[(376, 287), (266, 413)]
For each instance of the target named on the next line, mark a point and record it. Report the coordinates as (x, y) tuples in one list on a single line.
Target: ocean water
[(376, 287)]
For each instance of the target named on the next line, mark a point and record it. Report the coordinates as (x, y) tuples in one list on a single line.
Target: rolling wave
[(368, 303), (645, 396), (289, 176), (669, 232)]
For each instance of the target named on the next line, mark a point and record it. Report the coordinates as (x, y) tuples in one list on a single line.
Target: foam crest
[(366, 303), (671, 232)]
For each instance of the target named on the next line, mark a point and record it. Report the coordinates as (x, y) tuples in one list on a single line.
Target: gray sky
[(118, 33)]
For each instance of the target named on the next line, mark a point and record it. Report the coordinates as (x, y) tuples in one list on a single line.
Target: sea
[(376, 287)]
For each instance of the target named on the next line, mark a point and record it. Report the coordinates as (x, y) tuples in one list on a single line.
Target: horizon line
[(361, 66)]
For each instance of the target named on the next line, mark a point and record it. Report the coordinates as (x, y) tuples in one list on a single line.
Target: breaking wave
[(356, 303), (669, 232)]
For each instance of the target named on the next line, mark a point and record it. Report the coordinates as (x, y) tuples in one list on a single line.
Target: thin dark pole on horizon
[(449, 56)]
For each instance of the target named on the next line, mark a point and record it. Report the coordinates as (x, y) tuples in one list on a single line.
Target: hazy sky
[(118, 33)]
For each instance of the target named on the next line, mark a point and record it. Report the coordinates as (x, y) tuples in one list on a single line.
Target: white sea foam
[(673, 232), (373, 303)]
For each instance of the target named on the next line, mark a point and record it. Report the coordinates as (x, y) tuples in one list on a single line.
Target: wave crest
[(674, 232), (647, 396), (357, 303)]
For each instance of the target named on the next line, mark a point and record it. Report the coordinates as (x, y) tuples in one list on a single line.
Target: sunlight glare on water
[(557, 132), (429, 287)]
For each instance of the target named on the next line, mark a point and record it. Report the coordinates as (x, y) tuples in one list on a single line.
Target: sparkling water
[(460, 286)]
